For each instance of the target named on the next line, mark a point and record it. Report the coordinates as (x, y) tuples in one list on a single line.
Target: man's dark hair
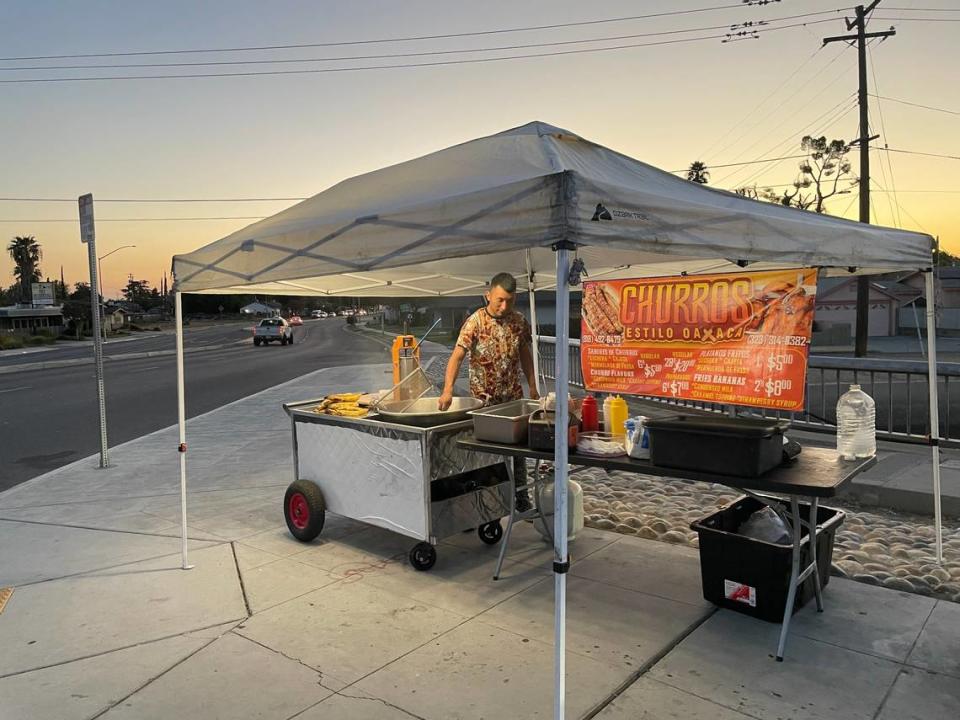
[(504, 280)]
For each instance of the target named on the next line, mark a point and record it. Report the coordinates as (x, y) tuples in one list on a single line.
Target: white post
[(561, 559), (931, 298), (182, 426), (531, 289), (916, 321), (88, 236)]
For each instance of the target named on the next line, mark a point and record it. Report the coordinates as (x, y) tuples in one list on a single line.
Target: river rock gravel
[(873, 546)]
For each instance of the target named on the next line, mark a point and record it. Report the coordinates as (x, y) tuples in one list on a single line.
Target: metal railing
[(899, 388)]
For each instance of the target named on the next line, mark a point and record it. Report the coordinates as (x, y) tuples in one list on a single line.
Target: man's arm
[(450, 379), (526, 364)]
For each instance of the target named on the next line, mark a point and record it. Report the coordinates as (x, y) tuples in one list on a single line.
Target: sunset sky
[(293, 135)]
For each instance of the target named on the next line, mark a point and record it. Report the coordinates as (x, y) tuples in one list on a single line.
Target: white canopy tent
[(522, 201)]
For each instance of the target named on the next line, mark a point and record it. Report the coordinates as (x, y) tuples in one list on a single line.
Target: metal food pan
[(505, 423)]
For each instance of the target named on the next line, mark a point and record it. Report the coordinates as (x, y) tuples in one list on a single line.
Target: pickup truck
[(271, 329)]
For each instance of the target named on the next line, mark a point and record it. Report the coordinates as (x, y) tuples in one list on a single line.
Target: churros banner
[(740, 338)]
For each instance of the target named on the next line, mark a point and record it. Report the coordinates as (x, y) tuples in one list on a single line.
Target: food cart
[(414, 480)]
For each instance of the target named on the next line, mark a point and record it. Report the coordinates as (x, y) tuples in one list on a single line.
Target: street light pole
[(100, 274)]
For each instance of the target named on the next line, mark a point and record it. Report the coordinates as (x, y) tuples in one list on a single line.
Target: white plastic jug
[(856, 428), (574, 510)]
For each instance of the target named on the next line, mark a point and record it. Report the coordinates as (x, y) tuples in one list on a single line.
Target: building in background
[(27, 320)]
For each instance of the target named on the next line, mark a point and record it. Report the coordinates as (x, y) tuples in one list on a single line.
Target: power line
[(780, 85), (412, 38), (834, 117), (883, 129), (908, 19), (153, 219), (792, 137), (907, 212), (913, 104), (784, 103), (916, 152), (156, 200), (747, 162), (784, 185), (424, 53), (470, 61)]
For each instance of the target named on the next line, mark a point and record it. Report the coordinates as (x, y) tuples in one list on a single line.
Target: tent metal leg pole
[(934, 405), (531, 289), (561, 560), (182, 426)]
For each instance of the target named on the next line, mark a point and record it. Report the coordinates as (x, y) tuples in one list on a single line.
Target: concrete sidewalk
[(103, 623)]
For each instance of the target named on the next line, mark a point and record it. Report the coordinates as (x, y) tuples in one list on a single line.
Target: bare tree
[(825, 172)]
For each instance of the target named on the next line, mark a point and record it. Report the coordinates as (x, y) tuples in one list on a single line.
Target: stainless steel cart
[(412, 480)]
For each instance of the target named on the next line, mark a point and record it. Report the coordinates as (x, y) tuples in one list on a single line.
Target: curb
[(916, 502), (428, 344), (53, 364)]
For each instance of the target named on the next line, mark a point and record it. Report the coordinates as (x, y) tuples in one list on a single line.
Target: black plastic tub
[(752, 576), (726, 446)]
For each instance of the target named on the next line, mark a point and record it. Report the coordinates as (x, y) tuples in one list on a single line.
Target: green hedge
[(10, 342)]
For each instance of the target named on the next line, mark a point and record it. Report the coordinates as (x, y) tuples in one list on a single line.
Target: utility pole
[(860, 38)]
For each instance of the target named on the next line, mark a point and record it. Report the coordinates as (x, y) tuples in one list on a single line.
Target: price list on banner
[(740, 338)]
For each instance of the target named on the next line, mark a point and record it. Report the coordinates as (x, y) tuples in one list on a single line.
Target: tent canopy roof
[(443, 224)]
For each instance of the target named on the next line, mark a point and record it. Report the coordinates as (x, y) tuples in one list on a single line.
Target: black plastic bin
[(744, 447), (752, 576)]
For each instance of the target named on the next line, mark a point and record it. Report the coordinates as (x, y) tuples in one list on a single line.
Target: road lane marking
[(24, 387), (152, 367)]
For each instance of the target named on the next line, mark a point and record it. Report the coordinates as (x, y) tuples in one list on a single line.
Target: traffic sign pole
[(87, 236)]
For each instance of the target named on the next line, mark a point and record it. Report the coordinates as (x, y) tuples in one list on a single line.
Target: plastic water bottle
[(856, 428)]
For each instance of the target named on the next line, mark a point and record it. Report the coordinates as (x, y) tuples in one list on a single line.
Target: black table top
[(816, 472)]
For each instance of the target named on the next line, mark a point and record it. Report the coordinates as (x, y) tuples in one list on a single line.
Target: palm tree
[(698, 173), (26, 255)]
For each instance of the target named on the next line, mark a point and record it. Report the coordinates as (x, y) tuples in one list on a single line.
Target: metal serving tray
[(504, 423)]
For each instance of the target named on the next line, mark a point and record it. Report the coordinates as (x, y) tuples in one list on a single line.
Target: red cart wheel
[(304, 510)]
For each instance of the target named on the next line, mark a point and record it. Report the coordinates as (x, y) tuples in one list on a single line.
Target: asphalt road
[(146, 341), (49, 418)]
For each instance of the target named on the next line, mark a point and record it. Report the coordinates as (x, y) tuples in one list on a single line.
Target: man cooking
[(498, 340)]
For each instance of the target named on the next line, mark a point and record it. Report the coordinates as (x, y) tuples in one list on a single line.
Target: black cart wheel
[(491, 532), (304, 510), (423, 556), (256, 341)]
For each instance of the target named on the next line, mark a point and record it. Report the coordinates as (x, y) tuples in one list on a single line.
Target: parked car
[(318, 314), (295, 320), (270, 329)]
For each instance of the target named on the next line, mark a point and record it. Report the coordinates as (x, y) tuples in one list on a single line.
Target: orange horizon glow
[(291, 137)]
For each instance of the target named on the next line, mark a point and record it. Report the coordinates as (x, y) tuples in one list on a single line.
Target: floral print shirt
[(494, 346)]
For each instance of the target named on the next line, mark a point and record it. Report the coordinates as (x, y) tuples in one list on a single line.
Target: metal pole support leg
[(813, 553), (794, 574), (513, 511)]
